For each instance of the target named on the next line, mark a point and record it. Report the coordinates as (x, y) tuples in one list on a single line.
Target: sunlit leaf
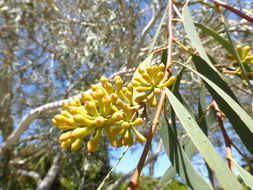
[(179, 158), (226, 179)]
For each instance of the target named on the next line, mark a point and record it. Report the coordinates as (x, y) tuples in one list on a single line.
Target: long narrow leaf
[(220, 91), (180, 160), (193, 35), (245, 175), (225, 43), (225, 177)]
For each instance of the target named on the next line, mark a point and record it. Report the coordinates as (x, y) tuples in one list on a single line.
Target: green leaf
[(205, 121), (245, 175), (225, 44), (143, 65), (179, 158), (201, 108), (226, 179), (175, 90), (193, 35), (222, 94)]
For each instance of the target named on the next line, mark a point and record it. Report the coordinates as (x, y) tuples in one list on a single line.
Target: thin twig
[(133, 184), (225, 135), (237, 12), (109, 173), (237, 73)]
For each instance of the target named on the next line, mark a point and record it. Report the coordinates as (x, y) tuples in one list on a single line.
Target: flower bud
[(120, 104), (98, 94), (125, 125), (64, 136), (66, 114), (246, 51), (77, 101), (140, 138), (135, 83), (115, 142), (117, 116), (66, 127), (90, 106), (119, 83), (93, 144), (155, 70), (81, 120), (103, 80), (108, 87), (100, 121), (130, 87), (86, 97), (142, 81), (66, 144), (76, 144), (138, 121), (161, 67), (72, 102), (149, 71), (159, 77), (128, 138), (114, 97), (169, 82), (153, 102), (139, 99), (141, 70), (143, 88), (146, 77), (240, 50), (106, 100), (81, 132), (157, 91)]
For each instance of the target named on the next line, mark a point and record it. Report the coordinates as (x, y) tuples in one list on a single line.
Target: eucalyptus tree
[(52, 50)]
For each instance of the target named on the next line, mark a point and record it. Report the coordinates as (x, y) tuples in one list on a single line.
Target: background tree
[(51, 50)]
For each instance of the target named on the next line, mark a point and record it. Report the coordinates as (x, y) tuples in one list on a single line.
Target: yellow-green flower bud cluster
[(108, 108), (149, 83), (244, 53)]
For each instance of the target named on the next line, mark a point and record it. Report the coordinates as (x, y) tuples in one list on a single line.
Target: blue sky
[(131, 158)]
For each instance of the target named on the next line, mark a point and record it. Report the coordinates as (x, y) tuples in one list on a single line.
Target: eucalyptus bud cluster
[(149, 83), (107, 108), (244, 54), (110, 109)]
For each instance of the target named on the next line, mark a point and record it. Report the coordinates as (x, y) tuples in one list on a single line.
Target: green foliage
[(149, 183), (52, 50)]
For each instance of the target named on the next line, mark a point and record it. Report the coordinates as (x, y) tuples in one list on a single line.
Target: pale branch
[(146, 29), (31, 174), (27, 159), (48, 180), (33, 114), (39, 111)]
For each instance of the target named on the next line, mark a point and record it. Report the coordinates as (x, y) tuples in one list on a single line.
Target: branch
[(31, 174), (235, 11), (33, 114), (27, 159), (134, 182), (48, 180), (145, 31), (225, 135)]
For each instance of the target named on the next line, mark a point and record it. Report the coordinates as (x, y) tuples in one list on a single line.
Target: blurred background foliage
[(53, 49)]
